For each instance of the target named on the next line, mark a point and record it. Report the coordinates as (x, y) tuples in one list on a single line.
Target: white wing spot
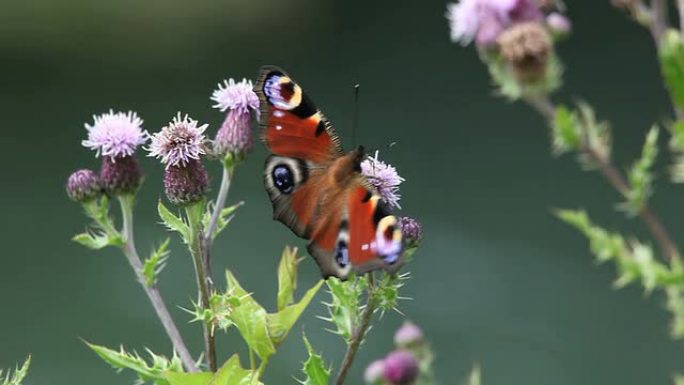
[(279, 127), (278, 114)]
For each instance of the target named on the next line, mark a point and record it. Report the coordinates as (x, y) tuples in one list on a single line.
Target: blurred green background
[(498, 281)]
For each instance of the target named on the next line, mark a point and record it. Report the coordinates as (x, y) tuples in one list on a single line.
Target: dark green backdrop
[(498, 280)]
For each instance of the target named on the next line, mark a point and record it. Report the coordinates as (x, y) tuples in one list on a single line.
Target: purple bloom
[(408, 335), (484, 20), (401, 367), (115, 134), (384, 178), (235, 134), (83, 185), (178, 143), (236, 96), (186, 184), (558, 23), (411, 230), (120, 175), (375, 372)]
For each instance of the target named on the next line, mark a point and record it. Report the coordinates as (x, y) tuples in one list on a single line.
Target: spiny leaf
[(232, 373), (154, 372), (314, 367), (174, 223), (95, 240), (345, 304), (103, 232), (640, 176), (225, 217), (201, 378), (280, 323), (566, 131), (16, 377), (155, 263), (287, 277)]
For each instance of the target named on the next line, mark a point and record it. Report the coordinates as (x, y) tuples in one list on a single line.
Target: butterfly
[(317, 190)]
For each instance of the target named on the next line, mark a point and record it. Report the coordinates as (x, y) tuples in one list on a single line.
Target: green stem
[(129, 249), (194, 215), (359, 332)]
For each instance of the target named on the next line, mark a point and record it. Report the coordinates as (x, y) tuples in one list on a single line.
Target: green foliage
[(262, 331), (102, 232), (677, 148), (314, 368), (154, 372), (640, 176), (596, 136), (155, 263), (174, 223), (671, 54), (345, 308), (475, 376), (511, 88), (566, 134), (231, 373), (225, 217), (16, 377), (386, 293)]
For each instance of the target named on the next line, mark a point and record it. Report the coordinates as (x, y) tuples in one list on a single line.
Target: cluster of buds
[(519, 32), (406, 364)]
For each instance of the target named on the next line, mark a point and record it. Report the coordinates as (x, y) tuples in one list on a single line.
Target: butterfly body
[(317, 190)]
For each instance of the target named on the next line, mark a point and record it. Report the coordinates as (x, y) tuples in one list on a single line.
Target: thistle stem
[(359, 333), (208, 236), (194, 214), (152, 291), (613, 175)]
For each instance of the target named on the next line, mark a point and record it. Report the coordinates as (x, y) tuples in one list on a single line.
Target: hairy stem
[(613, 175), (194, 214), (152, 291), (359, 333)]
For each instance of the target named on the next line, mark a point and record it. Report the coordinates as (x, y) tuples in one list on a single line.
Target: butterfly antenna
[(355, 121)]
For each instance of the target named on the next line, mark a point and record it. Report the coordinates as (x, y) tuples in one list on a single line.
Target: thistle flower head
[(411, 231), (83, 185), (484, 20), (526, 46), (235, 135), (178, 143), (374, 372), (384, 178), (401, 367), (115, 134), (120, 175), (236, 96), (408, 335), (186, 184)]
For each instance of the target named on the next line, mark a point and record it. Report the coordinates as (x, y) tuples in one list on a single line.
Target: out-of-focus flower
[(375, 372), (484, 20), (186, 184), (115, 134), (408, 335), (120, 175), (83, 185), (411, 230), (235, 135), (558, 23), (526, 47), (384, 178), (401, 367), (178, 143), (238, 96)]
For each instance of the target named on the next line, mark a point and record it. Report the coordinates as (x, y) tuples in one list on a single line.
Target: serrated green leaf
[(344, 309), (93, 240), (566, 131), (225, 217), (287, 277), (174, 223), (640, 176), (314, 367), (103, 232), (671, 55), (201, 378), (16, 377), (155, 263), (251, 320), (280, 323), (155, 372), (232, 373)]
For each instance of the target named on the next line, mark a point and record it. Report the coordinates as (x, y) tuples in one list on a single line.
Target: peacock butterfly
[(317, 190)]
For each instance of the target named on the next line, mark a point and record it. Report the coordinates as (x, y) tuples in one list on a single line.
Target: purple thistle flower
[(384, 178), (178, 143), (401, 367), (411, 231), (374, 372), (186, 184), (83, 185), (115, 134), (484, 20), (236, 96), (558, 23), (120, 175), (235, 134), (408, 335)]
